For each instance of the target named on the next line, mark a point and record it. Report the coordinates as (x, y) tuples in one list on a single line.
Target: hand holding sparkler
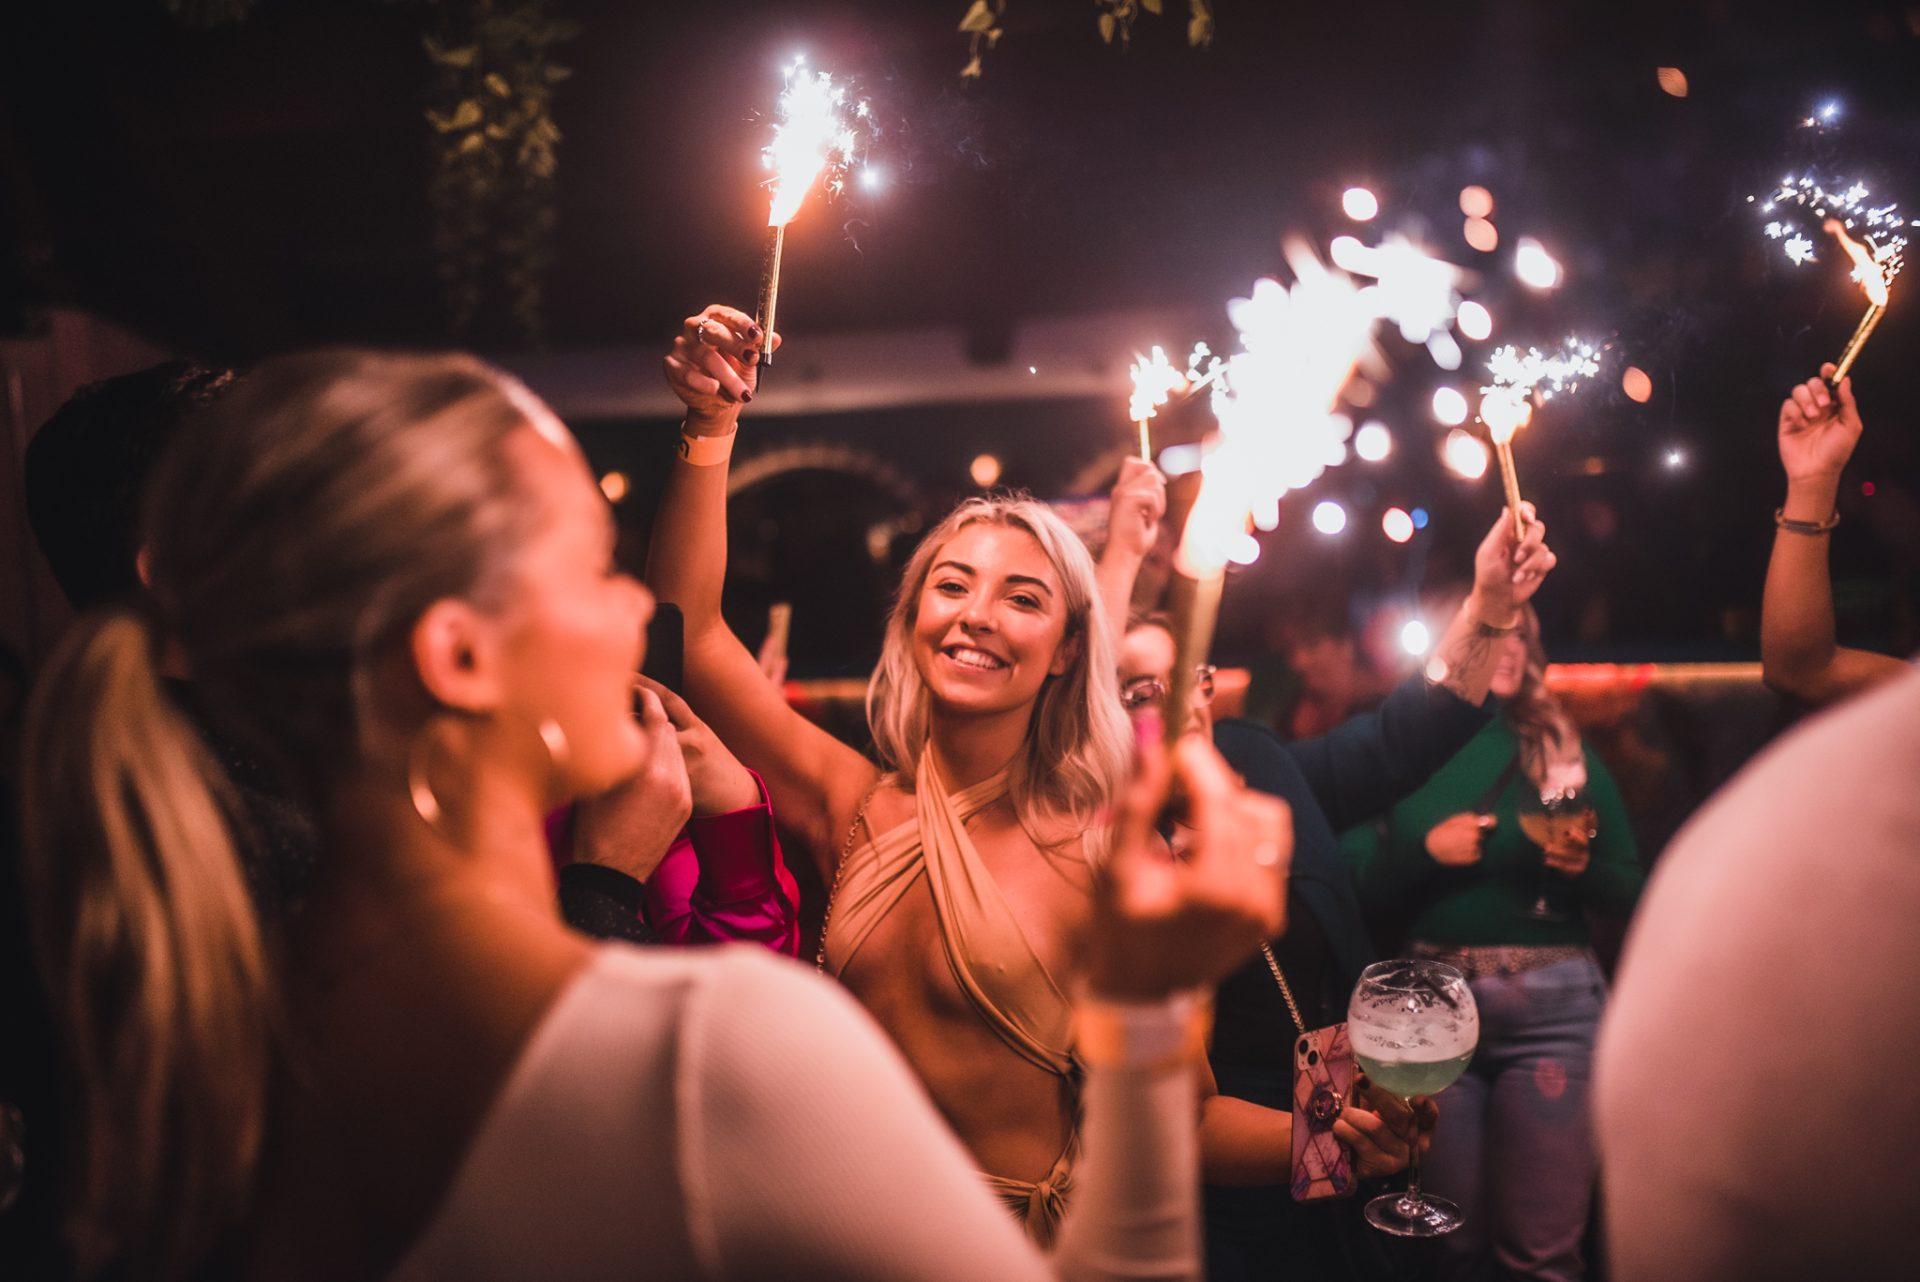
[(1135, 509), (1819, 429), (1508, 568), (713, 367)]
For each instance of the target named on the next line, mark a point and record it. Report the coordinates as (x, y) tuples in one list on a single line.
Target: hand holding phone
[(1323, 1076)]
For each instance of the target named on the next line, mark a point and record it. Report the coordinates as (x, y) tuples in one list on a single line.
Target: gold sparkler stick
[(1858, 341), (1196, 608), (1505, 413), (1510, 478), (770, 293), (1146, 442), (1873, 278)]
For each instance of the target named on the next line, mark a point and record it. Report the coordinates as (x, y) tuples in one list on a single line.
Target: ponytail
[(149, 948)]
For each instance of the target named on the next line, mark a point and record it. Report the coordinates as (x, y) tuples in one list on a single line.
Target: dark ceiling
[(263, 185)]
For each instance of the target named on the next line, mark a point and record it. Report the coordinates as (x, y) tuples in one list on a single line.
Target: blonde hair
[(1538, 719), (1078, 746), (295, 531)]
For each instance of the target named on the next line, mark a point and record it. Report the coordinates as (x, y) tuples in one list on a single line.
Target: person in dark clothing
[(1349, 775)]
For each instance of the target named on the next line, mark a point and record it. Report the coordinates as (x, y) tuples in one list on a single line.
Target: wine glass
[(1413, 1028), (1560, 812)]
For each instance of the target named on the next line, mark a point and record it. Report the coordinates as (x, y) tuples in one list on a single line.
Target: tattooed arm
[(1506, 573)]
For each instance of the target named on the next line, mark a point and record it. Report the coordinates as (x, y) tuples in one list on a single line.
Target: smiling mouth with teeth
[(969, 657)]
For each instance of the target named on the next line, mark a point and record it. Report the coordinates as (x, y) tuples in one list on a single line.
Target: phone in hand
[(1323, 1073), (666, 647)]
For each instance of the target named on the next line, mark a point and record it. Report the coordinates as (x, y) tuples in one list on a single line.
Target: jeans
[(1514, 1144)]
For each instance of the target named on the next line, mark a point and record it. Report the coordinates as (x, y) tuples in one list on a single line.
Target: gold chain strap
[(840, 871), (1273, 964)]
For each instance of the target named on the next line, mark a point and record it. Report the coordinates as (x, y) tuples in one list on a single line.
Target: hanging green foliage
[(983, 27), (492, 190)]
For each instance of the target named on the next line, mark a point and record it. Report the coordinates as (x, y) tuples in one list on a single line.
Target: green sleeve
[(1614, 876), (1390, 866)]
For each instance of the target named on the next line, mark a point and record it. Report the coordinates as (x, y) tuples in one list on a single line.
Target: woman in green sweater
[(1494, 863)]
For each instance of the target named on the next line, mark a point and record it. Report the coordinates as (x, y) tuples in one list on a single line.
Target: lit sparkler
[(1156, 381), (815, 134), (1274, 400), (1872, 236), (1414, 290), (1520, 379)]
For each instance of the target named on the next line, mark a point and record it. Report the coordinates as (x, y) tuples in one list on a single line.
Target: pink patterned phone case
[(1323, 1073)]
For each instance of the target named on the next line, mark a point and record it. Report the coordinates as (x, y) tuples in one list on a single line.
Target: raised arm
[(1136, 507), (814, 780), (1507, 571), (1799, 655)]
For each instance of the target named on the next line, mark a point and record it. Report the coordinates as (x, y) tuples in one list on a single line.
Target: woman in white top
[(396, 575)]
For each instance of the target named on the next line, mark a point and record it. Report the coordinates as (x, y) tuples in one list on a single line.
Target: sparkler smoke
[(816, 133)]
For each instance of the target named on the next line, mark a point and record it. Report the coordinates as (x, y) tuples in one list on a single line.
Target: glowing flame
[(1871, 274), (1274, 400), (816, 133), (1504, 413)]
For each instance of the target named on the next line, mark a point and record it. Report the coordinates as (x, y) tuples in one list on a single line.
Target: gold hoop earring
[(426, 803)]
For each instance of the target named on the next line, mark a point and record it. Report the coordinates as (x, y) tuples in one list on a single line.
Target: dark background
[(248, 188)]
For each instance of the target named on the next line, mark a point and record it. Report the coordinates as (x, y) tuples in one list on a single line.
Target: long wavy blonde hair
[(1078, 743), (1537, 717)]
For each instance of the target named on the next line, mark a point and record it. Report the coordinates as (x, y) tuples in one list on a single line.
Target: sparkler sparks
[(816, 132), (1520, 379), (1156, 381), (1802, 206)]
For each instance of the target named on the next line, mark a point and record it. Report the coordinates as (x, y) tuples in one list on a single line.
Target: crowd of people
[(363, 849)]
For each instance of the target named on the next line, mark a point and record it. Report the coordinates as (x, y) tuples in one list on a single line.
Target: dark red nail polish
[(746, 396)]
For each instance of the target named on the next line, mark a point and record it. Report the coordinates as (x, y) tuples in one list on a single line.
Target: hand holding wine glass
[(1413, 1026)]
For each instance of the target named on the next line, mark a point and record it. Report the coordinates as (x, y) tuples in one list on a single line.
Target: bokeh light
[(1415, 638), (1329, 517), (1396, 524), (1673, 80), (615, 486), (985, 470), (1534, 266), (1636, 384), (1359, 204), (1464, 454), (1476, 202), (1373, 442), (1449, 406), (1475, 321), (1481, 235)]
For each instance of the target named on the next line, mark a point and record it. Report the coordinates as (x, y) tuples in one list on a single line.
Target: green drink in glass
[(1413, 1028)]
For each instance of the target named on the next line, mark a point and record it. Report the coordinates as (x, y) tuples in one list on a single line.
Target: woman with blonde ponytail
[(163, 981), (393, 575)]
